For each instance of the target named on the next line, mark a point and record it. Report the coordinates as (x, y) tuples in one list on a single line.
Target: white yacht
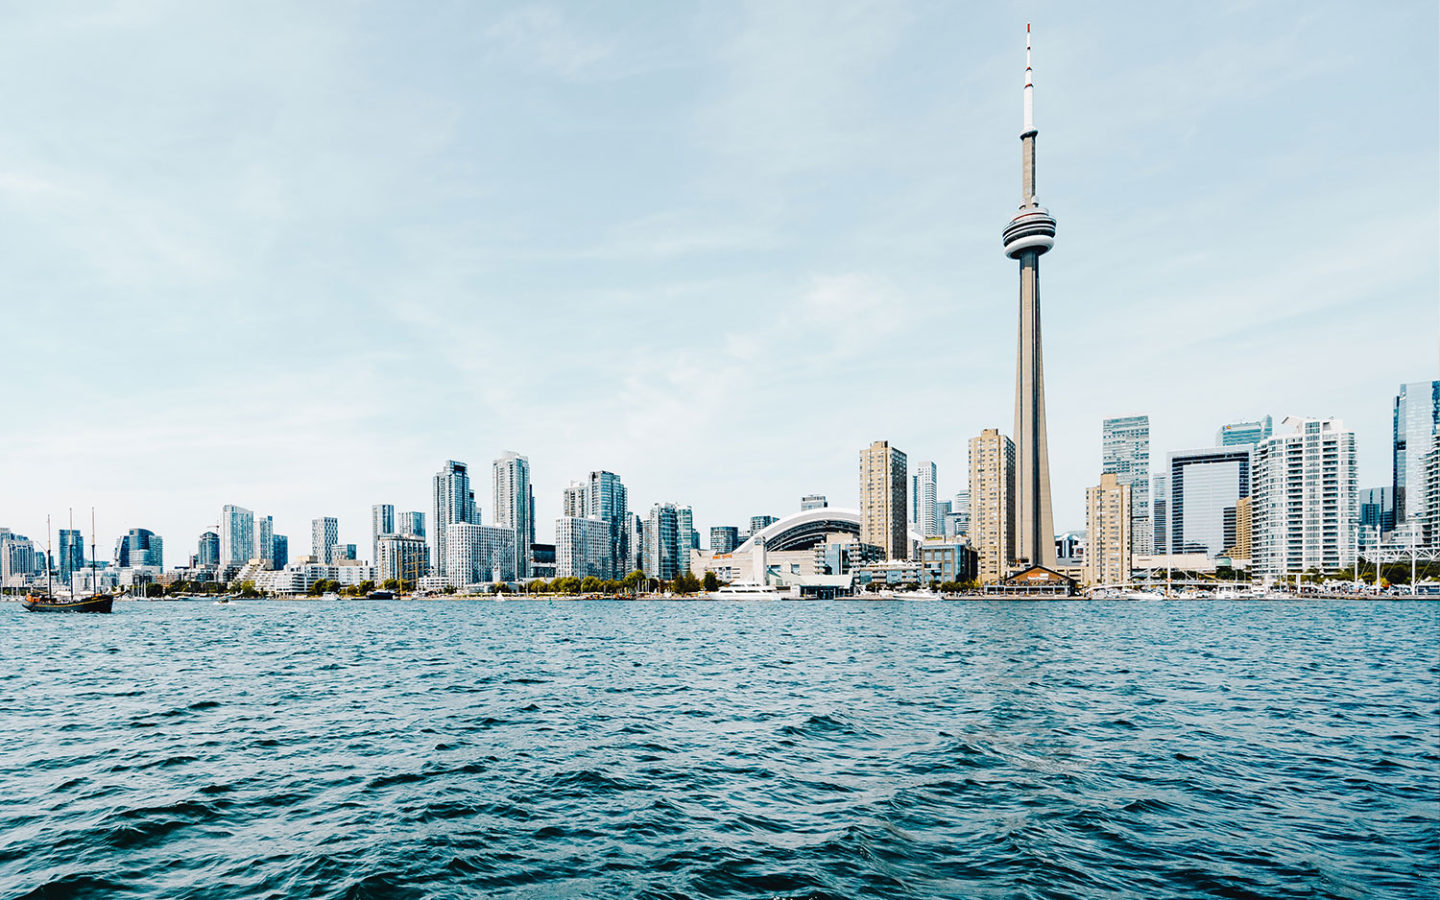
[(746, 590)]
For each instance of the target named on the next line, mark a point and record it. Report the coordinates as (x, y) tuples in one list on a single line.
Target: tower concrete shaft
[(1029, 235)]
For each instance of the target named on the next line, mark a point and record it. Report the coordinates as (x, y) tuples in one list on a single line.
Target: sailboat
[(48, 602)]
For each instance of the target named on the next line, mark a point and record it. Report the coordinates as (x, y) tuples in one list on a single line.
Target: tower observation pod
[(1030, 234)]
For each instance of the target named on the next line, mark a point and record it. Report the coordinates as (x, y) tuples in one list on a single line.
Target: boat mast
[(94, 584), (49, 559), (70, 571)]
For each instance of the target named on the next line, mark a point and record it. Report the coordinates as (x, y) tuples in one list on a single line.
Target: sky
[(295, 256)]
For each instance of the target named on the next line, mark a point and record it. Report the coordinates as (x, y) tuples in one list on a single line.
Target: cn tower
[(1030, 234)]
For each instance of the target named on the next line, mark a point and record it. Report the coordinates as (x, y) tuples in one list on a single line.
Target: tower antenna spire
[(1029, 86)]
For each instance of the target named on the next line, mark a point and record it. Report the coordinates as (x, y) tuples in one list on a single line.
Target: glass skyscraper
[(324, 535), (454, 504), (605, 499), (237, 535), (1237, 433), (924, 511), (1417, 415), (382, 521), (139, 547), (72, 552), (1204, 487), (1160, 513), (515, 505), (1125, 453)]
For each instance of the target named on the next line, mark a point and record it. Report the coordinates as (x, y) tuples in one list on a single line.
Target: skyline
[(912, 263)]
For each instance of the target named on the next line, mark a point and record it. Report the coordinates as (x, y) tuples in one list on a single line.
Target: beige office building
[(882, 500), (1243, 517), (992, 503), (1107, 523)]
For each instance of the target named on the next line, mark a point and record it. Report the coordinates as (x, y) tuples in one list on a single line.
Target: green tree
[(711, 584), (590, 585), (633, 581), (390, 584)]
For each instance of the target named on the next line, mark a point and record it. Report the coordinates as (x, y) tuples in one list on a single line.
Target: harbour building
[(237, 536), (324, 535), (1107, 531), (454, 503), (992, 504), (476, 554), (1205, 485), (515, 505), (1030, 234), (1305, 503), (883, 518), (1416, 419), (582, 548), (1125, 451), (1240, 433)]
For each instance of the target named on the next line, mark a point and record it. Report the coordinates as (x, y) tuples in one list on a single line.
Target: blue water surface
[(743, 750)]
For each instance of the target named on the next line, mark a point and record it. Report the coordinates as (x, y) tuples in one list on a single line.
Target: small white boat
[(1145, 595)]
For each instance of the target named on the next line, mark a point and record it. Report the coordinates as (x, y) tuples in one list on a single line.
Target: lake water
[(762, 750)]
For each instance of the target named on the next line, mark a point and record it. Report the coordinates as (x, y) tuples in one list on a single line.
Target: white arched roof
[(846, 521)]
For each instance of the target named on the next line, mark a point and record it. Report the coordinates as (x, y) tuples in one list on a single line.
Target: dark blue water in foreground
[(464, 749)]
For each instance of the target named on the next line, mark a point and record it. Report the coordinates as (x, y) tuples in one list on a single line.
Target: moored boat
[(99, 603)]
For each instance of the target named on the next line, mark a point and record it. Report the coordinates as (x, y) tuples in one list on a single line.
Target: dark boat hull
[(97, 604)]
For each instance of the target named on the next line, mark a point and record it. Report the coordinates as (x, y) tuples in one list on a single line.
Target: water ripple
[(667, 751)]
